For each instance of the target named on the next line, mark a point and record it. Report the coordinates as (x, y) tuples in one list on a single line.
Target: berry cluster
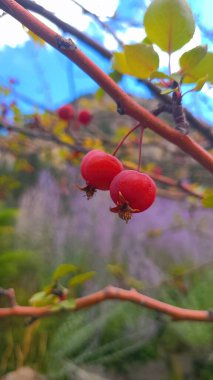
[(67, 113), (130, 190)]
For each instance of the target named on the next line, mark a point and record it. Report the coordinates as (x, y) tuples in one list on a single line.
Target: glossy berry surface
[(99, 168), (84, 117), (66, 112), (132, 192)]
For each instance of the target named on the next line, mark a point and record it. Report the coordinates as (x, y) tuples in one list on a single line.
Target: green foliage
[(119, 63), (43, 299), (169, 24), (17, 266), (62, 270), (202, 69), (97, 338), (138, 60), (141, 59), (196, 296), (7, 216), (192, 57), (81, 278)]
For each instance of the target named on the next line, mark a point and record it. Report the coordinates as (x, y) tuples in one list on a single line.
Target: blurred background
[(165, 252)]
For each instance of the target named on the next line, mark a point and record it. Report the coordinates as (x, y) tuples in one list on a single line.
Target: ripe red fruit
[(84, 117), (132, 192), (66, 112), (98, 169)]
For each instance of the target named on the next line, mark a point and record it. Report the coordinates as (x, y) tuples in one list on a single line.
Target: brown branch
[(32, 6), (113, 293), (125, 103), (198, 125)]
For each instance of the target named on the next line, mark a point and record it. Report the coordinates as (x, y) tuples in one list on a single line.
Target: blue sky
[(49, 79)]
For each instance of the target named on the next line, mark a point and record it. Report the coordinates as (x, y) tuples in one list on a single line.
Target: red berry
[(84, 117), (132, 192), (66, 112), (99, 168)]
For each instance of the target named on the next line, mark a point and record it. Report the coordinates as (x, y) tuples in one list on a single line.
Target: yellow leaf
[(66, 138), (92, 143), (130, 164), (36, 39), (119, 63)]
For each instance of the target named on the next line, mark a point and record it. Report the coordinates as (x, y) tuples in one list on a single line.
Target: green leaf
[(207, 200), (81, 278), (147, 41), (204, 67), (142, 59), (168, 91), (62, 270), (64, 305), (177, 77), (159, 75), (116, 269), (169, 24), (43, 299), (200, 83), (191, 58), (119, 63), (68, 304)]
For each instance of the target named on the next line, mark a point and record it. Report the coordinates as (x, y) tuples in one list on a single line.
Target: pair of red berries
[(130, 190), (67, 113)]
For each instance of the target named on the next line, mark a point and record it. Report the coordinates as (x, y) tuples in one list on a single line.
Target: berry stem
[(124, 138), (140, 148)]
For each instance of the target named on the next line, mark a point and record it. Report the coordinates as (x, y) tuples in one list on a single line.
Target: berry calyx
[(84, 117), (132, 192), (98, 169), (66, 112)]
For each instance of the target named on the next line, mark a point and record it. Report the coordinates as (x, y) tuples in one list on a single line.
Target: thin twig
[(113, 293)]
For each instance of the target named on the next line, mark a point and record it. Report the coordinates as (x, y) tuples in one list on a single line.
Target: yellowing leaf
[(208, 198), (204, 68), (191, 58), (93, 143), (169, 24), (200, 83), (66, 138), (129, 164), (35, 38), (142, 59), (119, 63)]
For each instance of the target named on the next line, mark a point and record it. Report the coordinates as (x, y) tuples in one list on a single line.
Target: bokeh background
[(166, 252)]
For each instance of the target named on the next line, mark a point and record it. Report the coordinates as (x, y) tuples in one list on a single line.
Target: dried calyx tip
[(88, 189)]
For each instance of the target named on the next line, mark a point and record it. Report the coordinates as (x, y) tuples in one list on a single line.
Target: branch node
[(64, 43), (10, 295), (210, 315), (120, 109)]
